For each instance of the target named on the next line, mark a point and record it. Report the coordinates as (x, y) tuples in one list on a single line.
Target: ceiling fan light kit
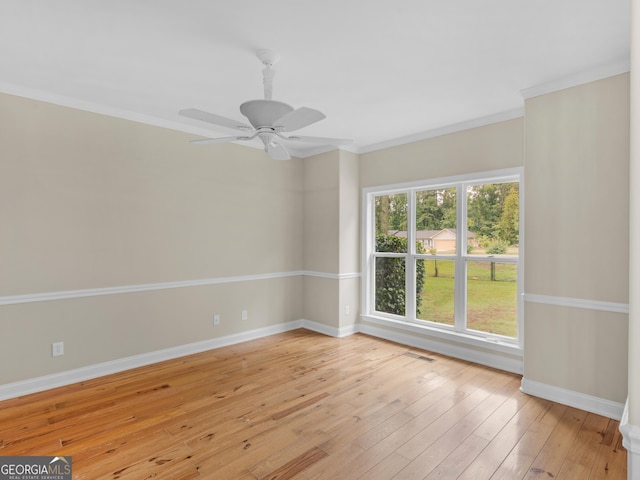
[(269, 118)]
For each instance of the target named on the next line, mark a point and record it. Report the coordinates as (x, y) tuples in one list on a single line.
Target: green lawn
[(491, 305)]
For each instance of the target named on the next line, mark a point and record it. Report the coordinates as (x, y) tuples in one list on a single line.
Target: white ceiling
[(384, 72)]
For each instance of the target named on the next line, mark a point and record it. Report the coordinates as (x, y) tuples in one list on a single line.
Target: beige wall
[(111, 327), (349, 212), (331, 239), (349, 239), (93, 201), (580, 350), (320, 238), (321, 212), (576, 185), (89, 201), (491, 147)]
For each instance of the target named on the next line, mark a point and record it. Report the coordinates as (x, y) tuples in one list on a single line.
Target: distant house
[(442, 240)]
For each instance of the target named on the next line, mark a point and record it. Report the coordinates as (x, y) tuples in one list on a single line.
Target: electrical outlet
[(216, 319), (57, 349), (245, 315), (347, 310)]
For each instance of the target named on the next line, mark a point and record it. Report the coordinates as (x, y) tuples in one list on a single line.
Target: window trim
[(461, 258)]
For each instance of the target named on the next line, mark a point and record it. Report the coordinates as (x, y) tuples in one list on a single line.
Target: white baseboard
[(583, 401), (575, 399), (631, 441), (47, 382), (329, 331)]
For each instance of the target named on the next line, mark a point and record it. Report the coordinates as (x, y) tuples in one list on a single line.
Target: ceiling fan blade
[(323, 140), (215, 119), (278, 152), (299, 118), (207, 141)]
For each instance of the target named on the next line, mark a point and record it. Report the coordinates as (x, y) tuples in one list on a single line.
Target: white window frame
[(457, 332)]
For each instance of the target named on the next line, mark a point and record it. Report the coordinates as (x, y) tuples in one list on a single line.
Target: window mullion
[(460, 284), (368, 258), (410, 264)]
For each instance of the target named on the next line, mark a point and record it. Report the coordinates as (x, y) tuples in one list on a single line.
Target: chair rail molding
[(577, 303), (94, 292)]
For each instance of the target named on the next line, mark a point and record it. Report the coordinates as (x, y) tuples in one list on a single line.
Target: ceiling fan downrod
[(269, 58)]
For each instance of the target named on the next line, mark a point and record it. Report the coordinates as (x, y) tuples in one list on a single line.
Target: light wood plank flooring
[(300, 405)]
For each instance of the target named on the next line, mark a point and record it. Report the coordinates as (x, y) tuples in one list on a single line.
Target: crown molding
[(579, 78), (101, 109), (569, 81), (445, 130)]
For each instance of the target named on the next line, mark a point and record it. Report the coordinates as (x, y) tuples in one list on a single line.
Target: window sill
[(476, 341)]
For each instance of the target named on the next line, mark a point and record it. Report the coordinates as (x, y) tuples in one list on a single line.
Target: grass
[(491, 305)]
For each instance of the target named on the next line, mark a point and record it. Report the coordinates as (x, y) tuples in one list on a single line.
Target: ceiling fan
[(269, 119)]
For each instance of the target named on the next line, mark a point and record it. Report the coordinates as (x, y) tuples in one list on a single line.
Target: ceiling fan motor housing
[(264, 113)]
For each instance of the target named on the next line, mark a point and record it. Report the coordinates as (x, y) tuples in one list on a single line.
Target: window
[(446, 255)]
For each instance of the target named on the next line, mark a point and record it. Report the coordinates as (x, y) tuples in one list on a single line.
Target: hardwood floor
[(304, 406)]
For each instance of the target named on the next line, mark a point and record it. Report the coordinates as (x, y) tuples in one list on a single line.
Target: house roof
[(427, 234)]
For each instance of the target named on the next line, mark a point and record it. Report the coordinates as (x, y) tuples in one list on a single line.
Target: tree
[(391, 212), (390, 276), (398, 207), (486, 211), (433, 251), (496, 247), (427, 210), (508, 225), (382, 213), (436, 209)]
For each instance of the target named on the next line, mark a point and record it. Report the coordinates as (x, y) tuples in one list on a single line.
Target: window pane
[(492, 216), (436, 221), (390, 285), (492, 298), (391, 222), (435, 299)]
